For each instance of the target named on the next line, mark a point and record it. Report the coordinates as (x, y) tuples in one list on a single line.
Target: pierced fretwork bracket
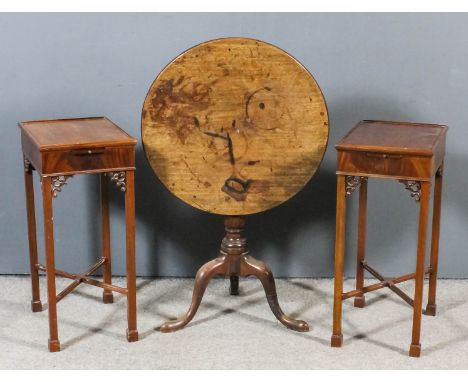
[(414, 187), (353, 182), (119, 179), (27, 164), (58, 182)]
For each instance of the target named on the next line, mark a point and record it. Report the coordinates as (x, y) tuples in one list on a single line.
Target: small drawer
[(385, 164), (83, 160)]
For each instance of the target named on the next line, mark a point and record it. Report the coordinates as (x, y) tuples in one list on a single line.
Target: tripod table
[(234, 127)]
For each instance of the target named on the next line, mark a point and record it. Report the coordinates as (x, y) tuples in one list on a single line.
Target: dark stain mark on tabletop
[(236, 188)]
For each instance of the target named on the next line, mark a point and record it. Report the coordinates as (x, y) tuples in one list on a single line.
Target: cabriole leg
[(214, 267), (257, 268)]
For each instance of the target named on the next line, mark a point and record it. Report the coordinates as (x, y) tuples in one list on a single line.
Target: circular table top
[(234, 126)]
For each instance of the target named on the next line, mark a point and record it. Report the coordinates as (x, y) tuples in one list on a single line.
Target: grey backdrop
[(369, 66)]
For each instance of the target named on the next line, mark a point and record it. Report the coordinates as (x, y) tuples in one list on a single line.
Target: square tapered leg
[(132, 332), (337, 337), (54, 343), (107, 295), (36, 304), (431, 307), (360, 300), (415, 348)]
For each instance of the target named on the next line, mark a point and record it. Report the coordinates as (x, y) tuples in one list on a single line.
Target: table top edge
[(341, 145)]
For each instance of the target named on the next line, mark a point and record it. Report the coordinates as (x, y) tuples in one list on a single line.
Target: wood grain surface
[(394, 137), (234, 126), (389, 149), (76, 133)]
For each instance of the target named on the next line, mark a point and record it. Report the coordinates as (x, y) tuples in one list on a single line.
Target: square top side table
[(57, 150), (413, 154)]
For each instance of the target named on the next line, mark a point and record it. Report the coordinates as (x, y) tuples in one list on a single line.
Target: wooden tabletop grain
[(234, 126)]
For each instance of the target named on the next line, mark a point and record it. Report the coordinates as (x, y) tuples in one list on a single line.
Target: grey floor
[(230, 332)]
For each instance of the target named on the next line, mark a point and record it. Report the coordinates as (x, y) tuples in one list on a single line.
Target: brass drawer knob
[(383, 156)]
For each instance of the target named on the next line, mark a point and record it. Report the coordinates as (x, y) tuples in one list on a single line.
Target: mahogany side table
[(57, 150), (413, 154)]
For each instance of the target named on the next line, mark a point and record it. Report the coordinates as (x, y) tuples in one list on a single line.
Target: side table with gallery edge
[(58, 150), (413, 154)]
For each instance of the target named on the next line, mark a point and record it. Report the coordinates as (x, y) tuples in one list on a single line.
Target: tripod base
[(234, 261)]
